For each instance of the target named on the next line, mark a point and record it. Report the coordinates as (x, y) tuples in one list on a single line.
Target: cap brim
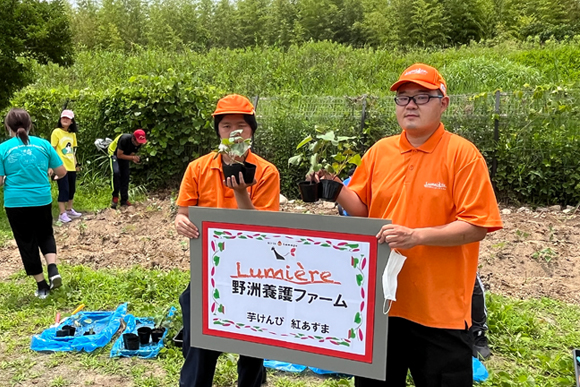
[(142, 142), (69, 117), (428, 86), (232, 112)]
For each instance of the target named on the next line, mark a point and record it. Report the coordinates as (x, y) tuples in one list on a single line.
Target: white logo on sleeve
[(435, 186)]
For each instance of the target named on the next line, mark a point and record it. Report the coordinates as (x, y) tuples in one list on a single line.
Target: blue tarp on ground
[(283, 366), (479, 371), (103, 324), (147, 351)]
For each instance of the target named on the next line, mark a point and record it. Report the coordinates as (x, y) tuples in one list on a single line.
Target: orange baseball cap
[(423, 75), (234, 104)]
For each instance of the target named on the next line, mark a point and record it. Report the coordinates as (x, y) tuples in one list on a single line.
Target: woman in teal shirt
[(24, 164)]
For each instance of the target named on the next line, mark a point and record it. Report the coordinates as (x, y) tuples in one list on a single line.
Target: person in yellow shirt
[(64, 141)]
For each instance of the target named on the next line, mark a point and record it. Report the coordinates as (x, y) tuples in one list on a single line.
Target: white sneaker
[(42, 293), (55, 281), (73, 214), (64, 218)]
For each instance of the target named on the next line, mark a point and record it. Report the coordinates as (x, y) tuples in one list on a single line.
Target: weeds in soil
[(522, 235), (546, 254), (531, 340)]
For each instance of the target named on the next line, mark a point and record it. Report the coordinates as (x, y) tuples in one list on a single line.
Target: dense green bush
[(169, 95), (172, 109), (325, 68)]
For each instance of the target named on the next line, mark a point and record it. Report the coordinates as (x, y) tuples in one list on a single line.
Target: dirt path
[(537, 254)]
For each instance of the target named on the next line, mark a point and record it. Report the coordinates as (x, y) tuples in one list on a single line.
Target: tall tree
[(280, 27), (31, 29), (226, 25), (422, 23), (318, 18), (465, 20), (379, 25), (253, 19)]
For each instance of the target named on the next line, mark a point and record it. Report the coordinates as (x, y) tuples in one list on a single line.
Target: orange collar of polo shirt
[(429, 145)]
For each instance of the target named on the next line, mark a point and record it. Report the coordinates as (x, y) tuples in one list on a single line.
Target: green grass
[(531, 340)]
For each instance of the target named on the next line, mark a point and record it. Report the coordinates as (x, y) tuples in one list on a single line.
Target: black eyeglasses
[(419, 99)]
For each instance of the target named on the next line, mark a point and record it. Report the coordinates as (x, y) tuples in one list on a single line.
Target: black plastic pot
[(144, 335), (330, 190), (131, 341), (309, 191), (157, 334), (248, 171), (65, 331)]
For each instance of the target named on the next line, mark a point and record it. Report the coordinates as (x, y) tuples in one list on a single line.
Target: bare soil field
[(537, 254)]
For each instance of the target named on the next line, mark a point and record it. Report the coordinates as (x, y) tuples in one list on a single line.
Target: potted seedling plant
[(329, 152), (236, 147), (161, 325)]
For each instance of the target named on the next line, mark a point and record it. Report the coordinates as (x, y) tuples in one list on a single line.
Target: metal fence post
[(255, 146), (363, 115), (495, 135)]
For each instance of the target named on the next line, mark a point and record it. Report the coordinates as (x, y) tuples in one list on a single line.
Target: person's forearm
[(453, 234), (352, 203), (243, 200), (123, 156)]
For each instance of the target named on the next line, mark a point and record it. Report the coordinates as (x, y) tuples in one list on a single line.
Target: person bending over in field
[(122, 151)]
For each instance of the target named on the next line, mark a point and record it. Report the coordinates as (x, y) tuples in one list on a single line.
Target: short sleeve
[(2, 171), (267, 194), (360, 182), (122, 144), (54, 160), (54, 137), (474, 197), (74, 140), (189, 189)]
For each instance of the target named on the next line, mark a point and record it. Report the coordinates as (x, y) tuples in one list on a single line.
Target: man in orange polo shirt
[(435, 187), (204, 185)]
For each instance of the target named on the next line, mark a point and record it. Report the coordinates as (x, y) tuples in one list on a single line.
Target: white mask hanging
[(394, 266)]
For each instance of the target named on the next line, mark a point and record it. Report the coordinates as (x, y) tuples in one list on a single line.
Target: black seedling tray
[(178, 339)]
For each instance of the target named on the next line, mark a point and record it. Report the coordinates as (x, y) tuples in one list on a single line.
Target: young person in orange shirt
[(204, 185), (435, 187)]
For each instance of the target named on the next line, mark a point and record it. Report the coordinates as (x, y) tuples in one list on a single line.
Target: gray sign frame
[(348, 225)]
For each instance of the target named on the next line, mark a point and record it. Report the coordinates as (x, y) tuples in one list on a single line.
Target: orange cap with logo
[(423, 75), (234, 104)]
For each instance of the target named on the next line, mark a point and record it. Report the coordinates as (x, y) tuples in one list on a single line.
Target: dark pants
[(435, 357), (478, 309), (32, 229), (120, 170), (67, 186), (199, 366)]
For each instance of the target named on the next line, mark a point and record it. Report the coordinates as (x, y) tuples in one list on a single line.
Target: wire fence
[(529, 139)]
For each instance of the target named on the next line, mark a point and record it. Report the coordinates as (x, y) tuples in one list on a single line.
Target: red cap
[(140, 136), (234, 104), (423, 75)]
